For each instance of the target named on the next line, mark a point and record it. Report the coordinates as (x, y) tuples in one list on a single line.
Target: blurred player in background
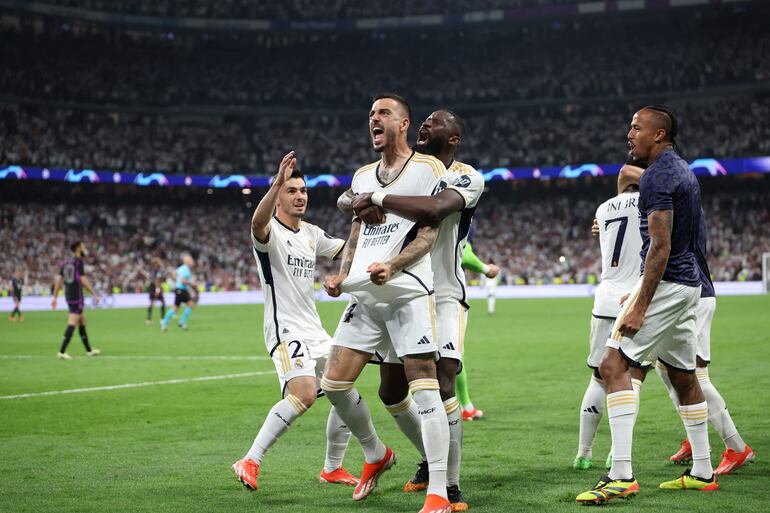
[(182, 296), (491, 275), (155, 289), (286, 249), (17, 284), (72, 275), (451, 207), (617, 226)]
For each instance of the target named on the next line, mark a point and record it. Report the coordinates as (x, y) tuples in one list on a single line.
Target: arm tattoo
[(416, 249), (350, 248), (660, 225)]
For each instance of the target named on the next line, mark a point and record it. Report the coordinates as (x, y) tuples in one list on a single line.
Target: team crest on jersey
[(298, 363), (462, 181)]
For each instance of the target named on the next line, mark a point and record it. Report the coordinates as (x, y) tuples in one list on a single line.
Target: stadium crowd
[(297, 9), (511, 232), (557, 136), (97, 65)]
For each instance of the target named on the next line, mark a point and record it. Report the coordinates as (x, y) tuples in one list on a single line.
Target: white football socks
[(352, 409), (337, 438), (719, 416), (408, 419), (278, 420), (622, 408), (694, 417), (435, 432), (455, 421), (591, 410)]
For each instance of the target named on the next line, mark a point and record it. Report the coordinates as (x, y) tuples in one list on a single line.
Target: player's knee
[(447, 369), (611, 364), (306, 395), (420, 367), (393, 385), (682, 381)]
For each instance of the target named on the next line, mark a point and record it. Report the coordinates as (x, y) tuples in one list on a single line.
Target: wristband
[(377, 198), (484, 268)]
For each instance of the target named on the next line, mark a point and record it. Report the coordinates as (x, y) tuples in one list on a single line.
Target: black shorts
[(156, 294), (76, 307), (181, 296), (17, 297)]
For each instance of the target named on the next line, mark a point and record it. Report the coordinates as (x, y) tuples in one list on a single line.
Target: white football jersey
[(447, 253), (381, 242), (286, 265), (621, 243)]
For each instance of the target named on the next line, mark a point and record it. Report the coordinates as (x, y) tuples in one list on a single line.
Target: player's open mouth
[(422, 136), (378, 133)]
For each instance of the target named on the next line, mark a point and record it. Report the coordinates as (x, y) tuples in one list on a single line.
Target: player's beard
[(432, 147)]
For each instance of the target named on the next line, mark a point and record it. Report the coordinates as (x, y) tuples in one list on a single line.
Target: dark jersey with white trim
[(668, 184)]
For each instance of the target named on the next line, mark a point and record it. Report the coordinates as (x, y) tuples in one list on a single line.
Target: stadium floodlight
[(765, 272)]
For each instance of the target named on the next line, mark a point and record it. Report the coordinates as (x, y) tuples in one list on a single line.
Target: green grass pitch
[(165, 448)]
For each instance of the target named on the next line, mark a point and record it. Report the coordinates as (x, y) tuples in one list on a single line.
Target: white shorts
[(668, 329), (601, 329), (294, 357), (704, 314), (451, 319), (404, 328)]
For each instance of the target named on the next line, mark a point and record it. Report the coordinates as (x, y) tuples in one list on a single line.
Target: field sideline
[(174, 410)]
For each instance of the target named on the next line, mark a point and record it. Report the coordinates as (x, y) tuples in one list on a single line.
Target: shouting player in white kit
[(388, 275), (286, 248)]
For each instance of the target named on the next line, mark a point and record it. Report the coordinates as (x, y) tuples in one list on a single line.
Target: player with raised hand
[(617, 226), (72, 276), (657, 321), (286, 249), (386, 269), (452, 208)]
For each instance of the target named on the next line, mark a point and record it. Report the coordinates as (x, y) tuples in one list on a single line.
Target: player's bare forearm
[(350, 248), (430, 210), (345, 202), (418, 248), (659, 226), (260, 221), (57, 286), (263, 213), (87, 285)]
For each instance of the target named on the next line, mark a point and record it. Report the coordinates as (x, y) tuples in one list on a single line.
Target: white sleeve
[(470, 186), (328, 246), (259, 246)]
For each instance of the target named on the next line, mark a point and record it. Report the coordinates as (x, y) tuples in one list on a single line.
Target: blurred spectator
[(537, 233)]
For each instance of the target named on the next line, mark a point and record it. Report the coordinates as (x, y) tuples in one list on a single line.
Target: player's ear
[(660, 134), (455, 140), (404, 127)]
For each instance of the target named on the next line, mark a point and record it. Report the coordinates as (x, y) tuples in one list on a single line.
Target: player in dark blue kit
[(17, 284), (72, 276), (155, 289), (658, 319), (737, 453)]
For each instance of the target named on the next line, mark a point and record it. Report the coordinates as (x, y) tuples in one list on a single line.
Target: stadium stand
[(125, 231)]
